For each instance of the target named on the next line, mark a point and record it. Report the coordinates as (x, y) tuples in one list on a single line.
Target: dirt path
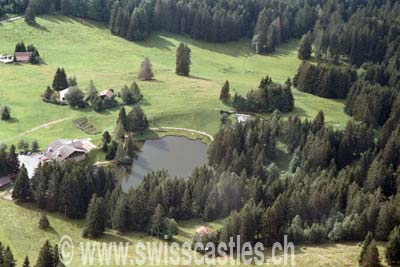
[(10, 19), (184, 129), (34, 129)]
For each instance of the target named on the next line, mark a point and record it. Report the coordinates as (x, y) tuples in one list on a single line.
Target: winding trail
[(34, 129), (184, 129)]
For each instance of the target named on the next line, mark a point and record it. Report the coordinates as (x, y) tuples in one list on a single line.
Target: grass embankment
[(90, 52), (19, 229)]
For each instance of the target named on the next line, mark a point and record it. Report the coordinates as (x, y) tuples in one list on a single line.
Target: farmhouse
[(23, 57), (7, 59), (242, 118), (106, 94), (62, 150), (63, 94), (4, 181)]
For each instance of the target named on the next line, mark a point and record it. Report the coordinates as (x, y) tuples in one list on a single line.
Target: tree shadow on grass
[(156, 40), (63, 19), (51, 230), (12, 120), (39, 27), (199, 78)]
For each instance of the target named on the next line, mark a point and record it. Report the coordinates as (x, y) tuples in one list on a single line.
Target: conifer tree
[(183, 60), (46, 256), (9, 260), (225, 94), (393, 247), (157, 220), (146, 70), (1, 254), (365, 244), (371, 258), (119, 217), (5, 113), (95, 218), (305, 48), (26, 262), (22, 188), (60, 81), (136, 120), (30, 17), (44, 222)]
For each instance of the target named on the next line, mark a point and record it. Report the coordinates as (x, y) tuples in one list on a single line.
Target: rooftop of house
[(5, 181), (107, 93), (242, 117), (23, 56), (203, 230), (61, 149)]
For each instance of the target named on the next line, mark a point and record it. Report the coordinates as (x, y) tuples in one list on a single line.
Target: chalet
[(23, 57), (106, 94), (7, 59), (63, 94), (63, 150), (203, 230), (4, 181), (242, 118)]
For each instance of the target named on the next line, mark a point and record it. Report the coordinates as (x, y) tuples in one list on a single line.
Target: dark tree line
[(269, 96), (324, 80), (9, 163), (67, 188)]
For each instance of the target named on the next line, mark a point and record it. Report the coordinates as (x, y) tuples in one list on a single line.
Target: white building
[(63, 99), (242, 118)]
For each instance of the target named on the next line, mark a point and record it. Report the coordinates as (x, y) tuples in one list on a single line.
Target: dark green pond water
[(178, 155)]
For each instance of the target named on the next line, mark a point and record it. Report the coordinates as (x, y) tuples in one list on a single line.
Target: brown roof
[(23, 56)]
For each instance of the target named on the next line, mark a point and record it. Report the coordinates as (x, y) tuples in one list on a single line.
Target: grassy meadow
[(19, 229), (88, 51)]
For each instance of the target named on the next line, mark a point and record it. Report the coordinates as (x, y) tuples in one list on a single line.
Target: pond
[(178, 155)]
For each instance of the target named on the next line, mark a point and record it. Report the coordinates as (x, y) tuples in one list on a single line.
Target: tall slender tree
[(183, 60), (22, 188)]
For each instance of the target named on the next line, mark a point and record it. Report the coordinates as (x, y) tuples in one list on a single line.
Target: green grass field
[(19, 229), (90, 52)]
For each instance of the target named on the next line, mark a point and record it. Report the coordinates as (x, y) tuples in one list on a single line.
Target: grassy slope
[(90, 52), (19, 229)]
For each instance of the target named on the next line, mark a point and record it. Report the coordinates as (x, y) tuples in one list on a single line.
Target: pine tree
[(26, 262), (371, 258), (119, 217), (95, 218), (44, 222), (47, 94), (183, 60), (393, 247), (12, 160), (136, 120), (9, 260), (1, 254), (30, 16), (365, 244), (60, 81), (225, 94), (305, 48), (157, 220), (5, 113), (46, 256), (146, 70), (106, 139), (22, 188)]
